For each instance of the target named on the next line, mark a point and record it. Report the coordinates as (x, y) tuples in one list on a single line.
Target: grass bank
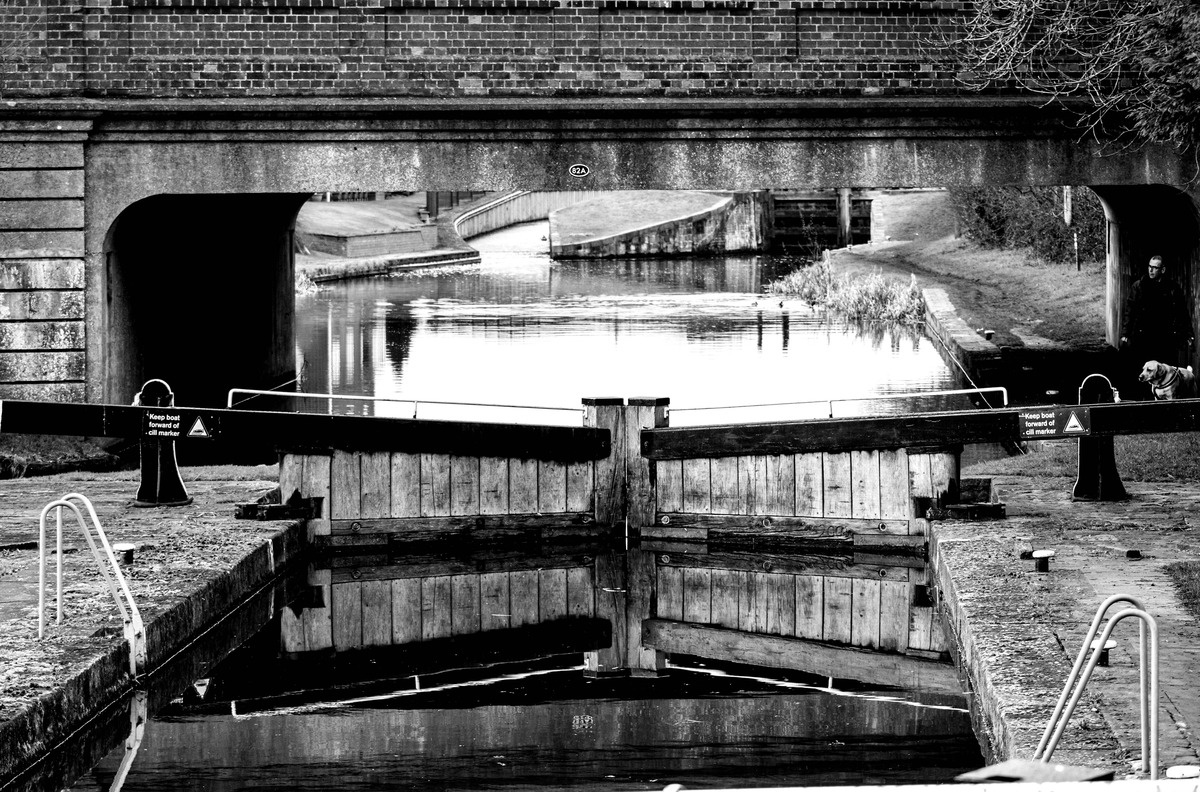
[(1149, 457)]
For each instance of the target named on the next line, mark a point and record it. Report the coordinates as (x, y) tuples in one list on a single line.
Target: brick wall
[(471, 47)]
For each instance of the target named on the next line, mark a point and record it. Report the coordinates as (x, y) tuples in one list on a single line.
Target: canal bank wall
[(1041, 372), (736, 222), (1015, 631), (192, 565)]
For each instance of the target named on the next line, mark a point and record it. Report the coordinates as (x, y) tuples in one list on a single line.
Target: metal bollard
[(161, 484), (1102, 656), (1041, 560), (1098, 477)]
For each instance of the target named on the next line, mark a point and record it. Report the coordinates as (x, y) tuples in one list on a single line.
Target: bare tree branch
[(1110, 53)]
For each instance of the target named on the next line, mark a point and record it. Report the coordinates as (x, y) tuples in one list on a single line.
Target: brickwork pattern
[(365, 48)]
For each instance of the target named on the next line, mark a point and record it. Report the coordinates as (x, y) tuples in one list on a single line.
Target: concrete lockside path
[(1019, 631), (623, 212), (367, 218), (192, 565)]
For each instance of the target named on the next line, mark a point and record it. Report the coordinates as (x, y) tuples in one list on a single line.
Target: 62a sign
[(579, 170)]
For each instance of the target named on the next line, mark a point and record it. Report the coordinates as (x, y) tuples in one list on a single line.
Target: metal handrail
[(415, 402), (1079, 660), (1076, 682), (135, 631), (830, 402)]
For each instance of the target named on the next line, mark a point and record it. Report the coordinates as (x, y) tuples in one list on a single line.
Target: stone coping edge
[(54, 716)]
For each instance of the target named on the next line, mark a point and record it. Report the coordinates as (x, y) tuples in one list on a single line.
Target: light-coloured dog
[(1168, 382)]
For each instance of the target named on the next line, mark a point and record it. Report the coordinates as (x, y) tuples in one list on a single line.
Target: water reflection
[(514, 706), (522, 329), (556, 728)]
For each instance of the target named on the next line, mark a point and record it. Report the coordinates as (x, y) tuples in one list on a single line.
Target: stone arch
[(1144, 221), (199, 292)]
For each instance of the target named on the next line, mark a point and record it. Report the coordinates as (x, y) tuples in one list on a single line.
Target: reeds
[(859, 298)]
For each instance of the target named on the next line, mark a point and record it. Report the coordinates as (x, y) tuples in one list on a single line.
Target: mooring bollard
[(1098, 477), (161, 484), (1102, 658)]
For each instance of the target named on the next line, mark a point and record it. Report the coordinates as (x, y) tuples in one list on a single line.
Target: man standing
[(1155, 323)]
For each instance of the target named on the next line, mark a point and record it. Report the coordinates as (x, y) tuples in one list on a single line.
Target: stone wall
[(41, 261), (471, 47)]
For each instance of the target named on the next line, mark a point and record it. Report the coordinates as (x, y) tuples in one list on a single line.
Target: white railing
[(830, 402), (332, 397), (135, 631)]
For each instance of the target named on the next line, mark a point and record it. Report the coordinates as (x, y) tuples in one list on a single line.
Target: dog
[(1168, 382)]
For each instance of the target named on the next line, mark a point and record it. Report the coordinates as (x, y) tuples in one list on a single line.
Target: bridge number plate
[(579, 170), (1046, 423)]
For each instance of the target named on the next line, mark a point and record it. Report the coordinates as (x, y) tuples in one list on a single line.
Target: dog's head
[(1152, 372)]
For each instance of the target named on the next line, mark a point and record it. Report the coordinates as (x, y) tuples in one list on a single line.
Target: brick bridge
[(154, 153)]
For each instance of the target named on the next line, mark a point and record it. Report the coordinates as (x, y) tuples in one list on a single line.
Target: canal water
[(550, 727), (521, 329), (536, 337)]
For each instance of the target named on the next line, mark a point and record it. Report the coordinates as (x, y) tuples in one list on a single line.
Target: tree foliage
[(1032, 218), (1133, 61)]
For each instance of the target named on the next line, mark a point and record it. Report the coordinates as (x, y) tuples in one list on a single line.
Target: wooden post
[(843, 206), (610, 604), (610, 473), (1098, 477), (642, 414), (640, 576)]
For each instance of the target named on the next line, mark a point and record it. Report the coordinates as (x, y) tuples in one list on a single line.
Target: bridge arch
[(198, 291), (1145, 221)]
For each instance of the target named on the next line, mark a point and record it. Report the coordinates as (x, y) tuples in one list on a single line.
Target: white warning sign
[(160, 423), (173, 424), (198, 428), (1045, 423)]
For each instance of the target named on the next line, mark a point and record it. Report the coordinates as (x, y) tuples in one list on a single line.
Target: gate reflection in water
[(462, 704), (522, 329)]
